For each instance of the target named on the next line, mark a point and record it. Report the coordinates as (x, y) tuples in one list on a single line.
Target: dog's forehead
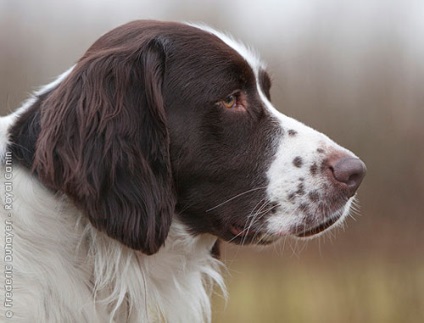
[(248, 53)]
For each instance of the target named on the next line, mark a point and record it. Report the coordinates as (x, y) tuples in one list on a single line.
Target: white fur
[(64, 270), (249, 54)]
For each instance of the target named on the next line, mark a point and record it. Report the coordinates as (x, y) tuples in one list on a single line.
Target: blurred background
[(351, 69)]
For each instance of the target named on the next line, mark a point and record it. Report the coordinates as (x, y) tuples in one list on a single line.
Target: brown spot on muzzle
[(313, 169), (314, 196), (292, 133), (298, 162)]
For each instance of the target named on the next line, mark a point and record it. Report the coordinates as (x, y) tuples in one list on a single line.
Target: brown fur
[(104, 139)]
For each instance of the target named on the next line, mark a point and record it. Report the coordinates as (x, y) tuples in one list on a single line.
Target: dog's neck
[(55, 245)]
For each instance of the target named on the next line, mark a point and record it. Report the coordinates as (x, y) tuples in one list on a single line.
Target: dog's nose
[(349, 171)]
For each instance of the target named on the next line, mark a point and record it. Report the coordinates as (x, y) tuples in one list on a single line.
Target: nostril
[(349, 171), (354, 179)]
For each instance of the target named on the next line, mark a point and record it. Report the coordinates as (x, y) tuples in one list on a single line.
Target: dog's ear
[(104, 142)]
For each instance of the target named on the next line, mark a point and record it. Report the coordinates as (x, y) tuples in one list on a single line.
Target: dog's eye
[(230, 101), (234, 102)]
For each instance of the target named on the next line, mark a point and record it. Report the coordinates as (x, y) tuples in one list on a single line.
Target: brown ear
[(104, 142)]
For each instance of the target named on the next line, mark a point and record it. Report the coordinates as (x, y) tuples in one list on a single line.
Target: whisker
[(263, 211), (261, 230), (255, 216), (256, 213), (247, 226), (236, 196)]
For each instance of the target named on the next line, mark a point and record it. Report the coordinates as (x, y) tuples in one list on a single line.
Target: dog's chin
[(320, 228), (317, 230), (243, 235)]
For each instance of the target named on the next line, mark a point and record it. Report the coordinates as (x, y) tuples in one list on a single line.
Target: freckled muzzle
[(313, 180)]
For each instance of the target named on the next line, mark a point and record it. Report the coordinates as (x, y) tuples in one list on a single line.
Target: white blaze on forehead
[(249, 54)]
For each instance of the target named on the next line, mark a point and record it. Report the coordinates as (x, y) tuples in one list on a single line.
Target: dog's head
[(159, 120)]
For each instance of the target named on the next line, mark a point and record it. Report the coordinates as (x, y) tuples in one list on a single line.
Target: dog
[(122, 176)]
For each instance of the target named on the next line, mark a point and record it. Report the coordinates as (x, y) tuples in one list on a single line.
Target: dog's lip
[(309, 232), (242, 231)]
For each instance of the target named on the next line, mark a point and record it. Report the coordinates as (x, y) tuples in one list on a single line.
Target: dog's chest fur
[(172, 285)]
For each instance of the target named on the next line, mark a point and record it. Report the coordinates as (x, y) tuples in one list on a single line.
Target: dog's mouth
[(301, 232), (245, 234), (242, 231), (242, 234)]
